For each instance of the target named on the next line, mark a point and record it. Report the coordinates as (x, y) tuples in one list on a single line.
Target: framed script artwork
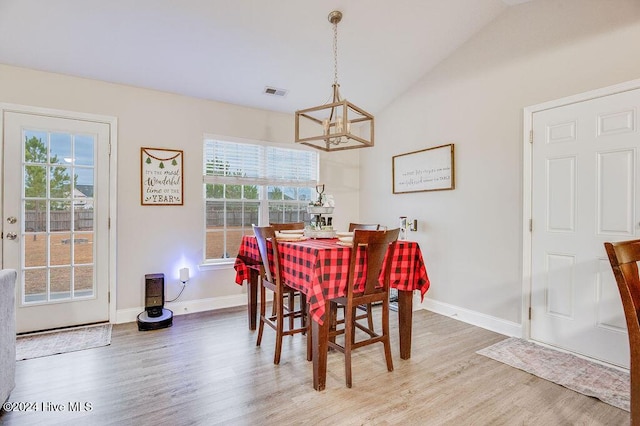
[(430, 169), (161, 177)]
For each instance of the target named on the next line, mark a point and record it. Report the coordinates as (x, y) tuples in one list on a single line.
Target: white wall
[(154, 239), (471, 237)]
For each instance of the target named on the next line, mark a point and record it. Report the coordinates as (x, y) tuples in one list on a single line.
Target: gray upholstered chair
[(7, 332)]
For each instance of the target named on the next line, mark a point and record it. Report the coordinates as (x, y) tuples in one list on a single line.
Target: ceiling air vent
[(268, 90)]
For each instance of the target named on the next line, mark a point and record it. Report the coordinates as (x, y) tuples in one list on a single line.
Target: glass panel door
[(63, 225)]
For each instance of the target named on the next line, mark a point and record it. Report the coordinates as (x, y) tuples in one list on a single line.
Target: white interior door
[(585, 192), (55, 219)]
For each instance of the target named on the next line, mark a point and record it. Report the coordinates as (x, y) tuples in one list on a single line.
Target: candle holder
[(320, 191)]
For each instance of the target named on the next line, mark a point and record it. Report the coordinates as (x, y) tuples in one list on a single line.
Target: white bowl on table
[(283, 236), (346, 240), (344, 234)]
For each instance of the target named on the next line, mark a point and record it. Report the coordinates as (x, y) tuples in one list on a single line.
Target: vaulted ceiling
[(231, 50)]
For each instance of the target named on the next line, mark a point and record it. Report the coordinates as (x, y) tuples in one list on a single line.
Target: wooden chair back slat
[(367, 226), (624, 257), (375, 245), (287, 226), (264, 234)]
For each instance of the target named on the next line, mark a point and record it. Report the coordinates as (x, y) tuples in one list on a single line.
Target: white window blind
[(249, 164), (291, 167)]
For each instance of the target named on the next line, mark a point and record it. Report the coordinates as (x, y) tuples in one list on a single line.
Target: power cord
[(179, 294)]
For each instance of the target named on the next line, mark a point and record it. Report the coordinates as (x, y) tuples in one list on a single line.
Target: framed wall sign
[(430, 169), (161, 182)]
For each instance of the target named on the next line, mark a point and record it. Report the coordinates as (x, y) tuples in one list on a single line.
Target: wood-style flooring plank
[(207, 370)]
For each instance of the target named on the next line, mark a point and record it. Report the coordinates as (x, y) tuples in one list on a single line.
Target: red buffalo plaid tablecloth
[(319, 268)]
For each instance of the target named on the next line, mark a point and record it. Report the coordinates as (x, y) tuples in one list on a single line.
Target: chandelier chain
[(335, 53)]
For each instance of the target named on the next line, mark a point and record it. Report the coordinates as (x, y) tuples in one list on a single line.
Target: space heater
[(155, 316)]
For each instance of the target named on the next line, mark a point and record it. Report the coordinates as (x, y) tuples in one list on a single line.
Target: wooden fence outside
[(36, 221), (237, 217)]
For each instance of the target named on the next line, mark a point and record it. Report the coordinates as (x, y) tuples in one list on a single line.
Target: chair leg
[(279, 327), (369, 320), (309, 341), (348, 338), (369, 317), (304, 308), (262, 314), (354, 313), (333, 320), (385, 333), (292, 303)]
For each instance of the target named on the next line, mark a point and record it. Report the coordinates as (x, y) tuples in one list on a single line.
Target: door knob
[(12, 219), (11, 235)]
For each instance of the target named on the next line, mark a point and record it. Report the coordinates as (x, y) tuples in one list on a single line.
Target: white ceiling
[(229, 50)]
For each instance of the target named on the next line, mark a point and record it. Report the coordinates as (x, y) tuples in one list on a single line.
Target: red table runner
[(319, 268)]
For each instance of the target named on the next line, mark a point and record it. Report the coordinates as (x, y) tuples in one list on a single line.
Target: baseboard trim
[(187, 307), (498, 325)]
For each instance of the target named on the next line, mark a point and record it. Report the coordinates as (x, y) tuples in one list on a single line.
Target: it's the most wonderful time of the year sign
[(430, 169), (161, 177)]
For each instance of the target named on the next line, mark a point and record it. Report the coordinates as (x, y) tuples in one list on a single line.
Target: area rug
[(61, 341), (608, 384)]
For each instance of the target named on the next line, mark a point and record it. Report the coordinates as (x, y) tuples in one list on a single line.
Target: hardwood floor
[(207, 370)]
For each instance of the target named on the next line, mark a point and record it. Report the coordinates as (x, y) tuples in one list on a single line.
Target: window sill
[(227, 264)]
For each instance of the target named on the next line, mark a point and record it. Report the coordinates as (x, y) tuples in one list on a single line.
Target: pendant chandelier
[(339, 124)]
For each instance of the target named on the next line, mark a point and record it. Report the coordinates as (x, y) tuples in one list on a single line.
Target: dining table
[(319, 268)]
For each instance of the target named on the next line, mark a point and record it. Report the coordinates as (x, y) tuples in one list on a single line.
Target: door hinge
[(530, 136), (109, 223), (530, 312), (530, 225), (109, 301)]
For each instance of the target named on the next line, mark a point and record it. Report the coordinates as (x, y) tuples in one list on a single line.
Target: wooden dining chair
[(369, 226), (623, 257), (376, 244), (366, 309), (287, 226), (271, 279)]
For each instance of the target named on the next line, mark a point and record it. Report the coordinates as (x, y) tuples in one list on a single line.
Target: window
[(247, 184)]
